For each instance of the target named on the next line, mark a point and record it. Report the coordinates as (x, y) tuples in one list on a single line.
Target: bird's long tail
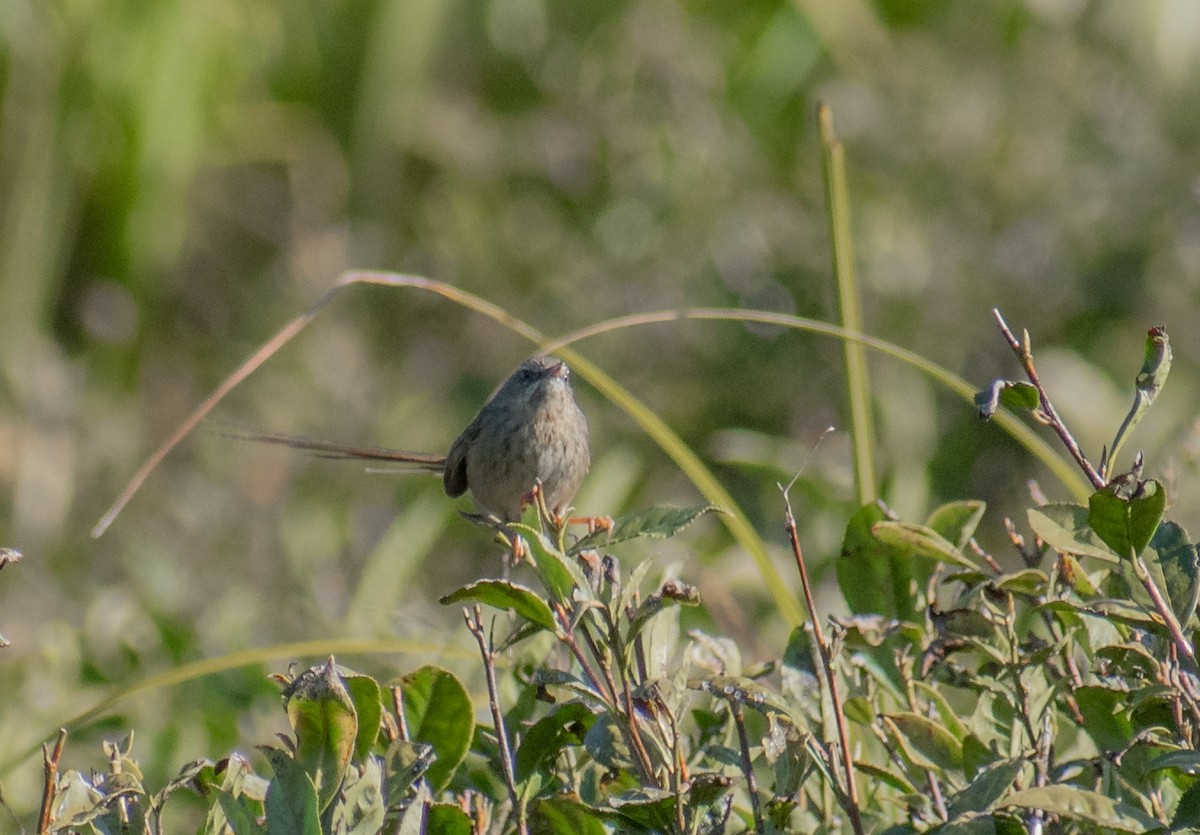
[(331, 449)]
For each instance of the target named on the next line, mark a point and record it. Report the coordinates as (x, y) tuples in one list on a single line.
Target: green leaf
[(438, 712), (1106, 719), (1012, 395), (956, 521), (897, 781), (976, 755), (447, 819), (1175, 569), (1072, 573), (1185, 762), (1064, 527), (1081, 805), (650, 810), (412, 819), (240, 815), (368, 705), (501, 594), (1028, 582), (919, 541), (363, 811), (605, 742), (874, 577), (559, 573), (563, 727), (1187, 810), (291, 803), (324, 721), (404, 763), (1129, 660), (925, 742), (656, 522), (565, 815), (991, 784), (1127, 525), (945, 712)]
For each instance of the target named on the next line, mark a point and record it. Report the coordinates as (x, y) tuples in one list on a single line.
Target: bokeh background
[(180, 177)]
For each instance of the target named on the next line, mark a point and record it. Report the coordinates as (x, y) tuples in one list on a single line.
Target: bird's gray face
[(539, 378)]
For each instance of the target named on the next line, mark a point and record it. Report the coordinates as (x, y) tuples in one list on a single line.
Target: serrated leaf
[(657, 522), (1175, 569), (1081, 805), (956, 521), (919, 541), (291, 803), (501, 594), (1127, 525), (1187, 810), (925, 742), (1064, 527), (438, 712)]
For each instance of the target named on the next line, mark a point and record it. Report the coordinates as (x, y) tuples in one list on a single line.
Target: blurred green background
[(180, 177)]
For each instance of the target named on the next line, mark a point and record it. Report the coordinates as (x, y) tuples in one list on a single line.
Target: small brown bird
[(531, 431)]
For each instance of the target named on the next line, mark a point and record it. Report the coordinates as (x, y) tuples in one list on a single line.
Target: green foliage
[(961, 696), (438, 713)]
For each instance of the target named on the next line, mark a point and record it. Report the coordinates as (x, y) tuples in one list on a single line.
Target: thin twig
[(398, 708), (599, 682), (678, 772), (50, 758), (475, 625), (635, 737), (620, 703), (600, 657), (935, 794), (852, 808), (735, 707), (1164, 610), (1025, 357)]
